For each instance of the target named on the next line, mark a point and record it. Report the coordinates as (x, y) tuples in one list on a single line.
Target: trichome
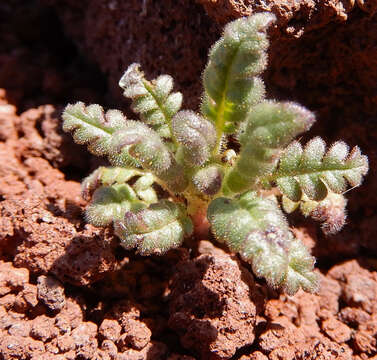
[(174, 166)]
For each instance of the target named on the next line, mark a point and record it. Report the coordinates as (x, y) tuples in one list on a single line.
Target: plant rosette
[(176, 172)]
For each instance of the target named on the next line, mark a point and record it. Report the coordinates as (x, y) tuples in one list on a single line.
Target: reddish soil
[(68, 291)]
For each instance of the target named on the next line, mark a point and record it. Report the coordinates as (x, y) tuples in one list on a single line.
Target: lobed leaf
[(331, 211), (268, 128), (154, 230), (144, 190), (230, 79), (208, 180), (196, 135), (90, 125), (110, 203), (153, 100), (106, 176), (145, 145), (256, 228), (312, 171)]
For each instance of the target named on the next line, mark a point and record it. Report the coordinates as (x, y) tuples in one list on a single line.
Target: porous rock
[(51, 292), (212, 306)]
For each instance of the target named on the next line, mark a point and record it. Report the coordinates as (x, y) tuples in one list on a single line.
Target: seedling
[(174, 166)]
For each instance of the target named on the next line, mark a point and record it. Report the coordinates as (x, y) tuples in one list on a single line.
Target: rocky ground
[(68, 291)]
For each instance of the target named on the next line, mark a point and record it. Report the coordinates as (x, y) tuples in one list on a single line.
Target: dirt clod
[(136, 335), (336, 330), (51, 292), (110, 330), (212, 307)]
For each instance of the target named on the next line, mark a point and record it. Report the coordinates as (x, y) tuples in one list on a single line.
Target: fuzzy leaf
[(144, 189), (154, 230), (106, 176), (153, 100), (196, 135), (288, 205), (146, 146), (110, 203), (312, 171), (269, 127), (331, 211), (90, 125), (256, 228), (208, 180), (230, 78)]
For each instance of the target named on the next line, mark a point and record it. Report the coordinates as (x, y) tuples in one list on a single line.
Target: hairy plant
[(176, 165)]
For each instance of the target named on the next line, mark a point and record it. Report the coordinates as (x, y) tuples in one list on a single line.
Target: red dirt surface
[(68, 291)]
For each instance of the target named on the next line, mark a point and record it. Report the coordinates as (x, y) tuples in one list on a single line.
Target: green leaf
[(106, 176), (196, 136), (147, 147), (230, 79), (331, 211), (269, 127), (144, 189), (154, 230), (256, 228), (144, 144), (90, 125), (208, 180), (312, 171), (288, 205), (153, 100), (110, 203)]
